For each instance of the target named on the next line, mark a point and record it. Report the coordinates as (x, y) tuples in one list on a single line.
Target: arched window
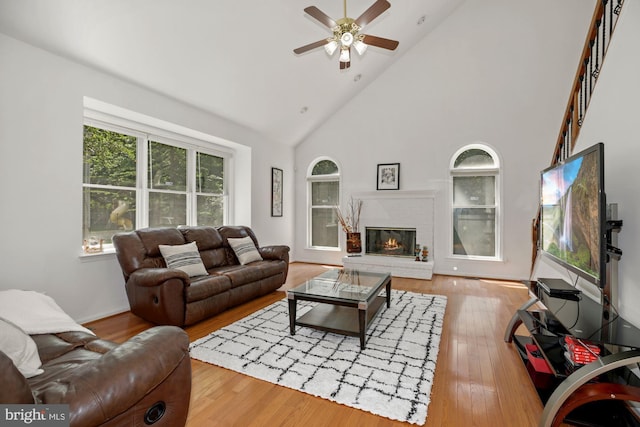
[(323, 191), (475, 202)]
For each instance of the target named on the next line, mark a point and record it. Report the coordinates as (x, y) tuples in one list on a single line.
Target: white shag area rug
[(392, 377)]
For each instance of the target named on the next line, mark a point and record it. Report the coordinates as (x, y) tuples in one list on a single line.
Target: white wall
[(497, 72), (41, 113), (612, 118)]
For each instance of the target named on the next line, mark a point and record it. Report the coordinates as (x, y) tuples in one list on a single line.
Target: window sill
[(107, 253), (474, 258), (323, 249)]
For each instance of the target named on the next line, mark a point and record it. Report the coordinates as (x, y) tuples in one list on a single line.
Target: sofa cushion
[(205, 237), (151, 238), (245, 250), (52, 346), (20, 348), (206, 286), (184, 257), (241, 274)]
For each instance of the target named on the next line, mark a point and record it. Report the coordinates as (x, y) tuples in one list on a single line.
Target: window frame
[(462, 171), (144, 134), (335, 177)]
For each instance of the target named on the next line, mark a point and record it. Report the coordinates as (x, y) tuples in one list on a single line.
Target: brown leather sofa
[(144, 381), (169, 296)]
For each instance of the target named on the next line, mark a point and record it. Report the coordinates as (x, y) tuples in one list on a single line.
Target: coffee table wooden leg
[(388, 289), (292, 315), (362, 320)]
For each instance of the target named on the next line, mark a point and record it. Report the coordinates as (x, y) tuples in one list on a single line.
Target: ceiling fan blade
[(380, 42), (310, 46), (320, 16), (373, 12)]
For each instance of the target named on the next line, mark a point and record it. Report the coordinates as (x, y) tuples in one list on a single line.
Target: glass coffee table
[(348, 300)]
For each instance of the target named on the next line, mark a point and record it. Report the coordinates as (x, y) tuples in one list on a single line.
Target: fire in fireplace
[(390, 241)]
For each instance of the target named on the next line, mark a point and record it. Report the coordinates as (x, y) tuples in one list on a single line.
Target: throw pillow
[(20, 348), (184, 257), (245, 250)]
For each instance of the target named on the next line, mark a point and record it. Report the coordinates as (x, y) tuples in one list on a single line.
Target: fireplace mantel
[(401, 209), (395, 194)]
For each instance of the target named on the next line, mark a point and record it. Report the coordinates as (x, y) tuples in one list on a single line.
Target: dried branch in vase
[(350, 222)]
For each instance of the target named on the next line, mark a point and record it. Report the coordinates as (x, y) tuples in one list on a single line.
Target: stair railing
[(603, 23), (595, 48)]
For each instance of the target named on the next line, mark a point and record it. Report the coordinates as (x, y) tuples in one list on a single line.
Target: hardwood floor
[(479, 378)]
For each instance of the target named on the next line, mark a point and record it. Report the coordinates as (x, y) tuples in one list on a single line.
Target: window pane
[(106, 212), (474, 158), (167, 167), (474, 190), (166, 210), (109, 158), (324, 167), (324, 193), (324, 228), (474, 231), (210, 210), (209, 174)]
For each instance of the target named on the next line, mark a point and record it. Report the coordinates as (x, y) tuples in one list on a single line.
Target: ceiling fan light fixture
[(360, 47), (346, 39), (331, 47), (344, 55)]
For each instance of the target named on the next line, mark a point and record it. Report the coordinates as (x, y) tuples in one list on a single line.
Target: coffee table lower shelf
[(342, 320)]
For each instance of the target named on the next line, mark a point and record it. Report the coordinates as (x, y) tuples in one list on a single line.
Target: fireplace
[(400, 242)]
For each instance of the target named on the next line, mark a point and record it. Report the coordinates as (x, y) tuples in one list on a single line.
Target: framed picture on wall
[(388, 176), (276, 192)]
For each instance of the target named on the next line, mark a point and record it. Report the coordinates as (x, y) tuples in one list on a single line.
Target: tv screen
[(573, 215)]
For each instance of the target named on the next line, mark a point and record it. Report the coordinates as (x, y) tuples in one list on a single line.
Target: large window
[(134, 180), (475, 202), (324, 191)]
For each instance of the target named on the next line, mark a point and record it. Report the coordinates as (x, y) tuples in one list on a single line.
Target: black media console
[(596, 393)]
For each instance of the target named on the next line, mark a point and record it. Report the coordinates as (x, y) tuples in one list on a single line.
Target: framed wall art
[(388, 176), (276, 192)]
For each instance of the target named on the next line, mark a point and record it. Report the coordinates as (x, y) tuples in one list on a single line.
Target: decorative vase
[(354, 245)]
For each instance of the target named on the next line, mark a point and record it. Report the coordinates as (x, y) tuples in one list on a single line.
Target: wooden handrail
[(594, 50)]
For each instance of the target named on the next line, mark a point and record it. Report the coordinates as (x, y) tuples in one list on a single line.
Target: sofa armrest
[(124, 377), (155, 276), (275, 252), (15, 388), (157, 295)]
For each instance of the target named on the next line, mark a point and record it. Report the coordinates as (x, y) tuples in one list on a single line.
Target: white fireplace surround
[(397, 209)]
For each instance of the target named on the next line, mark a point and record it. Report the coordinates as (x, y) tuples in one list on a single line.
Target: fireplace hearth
[(398, 242)]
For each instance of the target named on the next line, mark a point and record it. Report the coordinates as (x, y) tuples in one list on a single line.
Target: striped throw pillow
[(245, 250), (184, 257)]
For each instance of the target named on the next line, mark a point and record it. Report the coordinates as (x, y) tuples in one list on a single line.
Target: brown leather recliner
[(169, 296), (144, 381)]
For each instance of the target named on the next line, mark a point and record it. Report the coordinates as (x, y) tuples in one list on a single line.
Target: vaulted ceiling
[(233, 58)]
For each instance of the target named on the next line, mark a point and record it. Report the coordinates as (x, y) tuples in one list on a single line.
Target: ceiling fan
[(346, 33)]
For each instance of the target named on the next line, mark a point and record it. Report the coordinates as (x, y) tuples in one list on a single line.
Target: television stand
[(593, 393)]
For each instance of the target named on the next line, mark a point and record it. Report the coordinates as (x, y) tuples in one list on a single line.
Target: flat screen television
[(573, 214)]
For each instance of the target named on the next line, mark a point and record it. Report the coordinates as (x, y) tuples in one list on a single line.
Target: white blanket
[(36, 313)]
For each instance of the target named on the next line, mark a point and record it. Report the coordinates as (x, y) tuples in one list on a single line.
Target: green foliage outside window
[(109, 159), (110, 167)]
